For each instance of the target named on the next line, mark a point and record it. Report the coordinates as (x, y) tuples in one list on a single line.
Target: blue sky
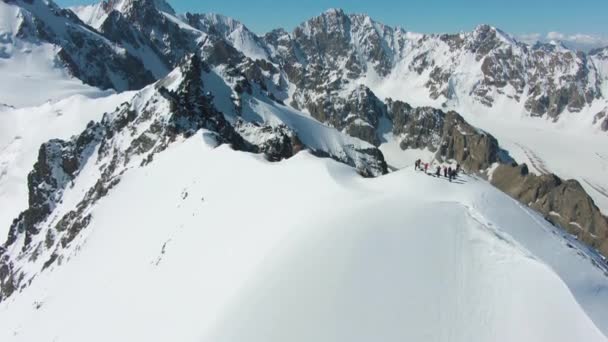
[(430, 16)]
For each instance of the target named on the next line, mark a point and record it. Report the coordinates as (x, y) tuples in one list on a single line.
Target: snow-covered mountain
[(335, 52), (222, 199), (59, 47), (177, 107), (227, 246)]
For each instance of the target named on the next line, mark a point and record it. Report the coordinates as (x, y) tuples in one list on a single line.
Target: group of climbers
[(448, 172)]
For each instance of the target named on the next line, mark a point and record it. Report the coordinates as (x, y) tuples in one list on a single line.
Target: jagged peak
[(128, 5), (332, 17), (217, 22), (551, 46), (334, 12), (484, 31), (217, 18), (600, 52)]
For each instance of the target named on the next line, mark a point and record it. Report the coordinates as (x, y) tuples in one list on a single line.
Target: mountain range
[(122, 87)]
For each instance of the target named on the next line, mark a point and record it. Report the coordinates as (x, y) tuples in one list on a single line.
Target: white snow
[(22, 131), (397, 158), (93, 15), (570, 148), (30, 77), (209, 244), (233, 248), (30, 71)]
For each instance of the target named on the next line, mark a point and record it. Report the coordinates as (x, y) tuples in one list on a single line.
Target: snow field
[(225, 246)]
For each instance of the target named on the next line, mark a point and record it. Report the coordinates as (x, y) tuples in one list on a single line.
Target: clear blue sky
[(429, 16)]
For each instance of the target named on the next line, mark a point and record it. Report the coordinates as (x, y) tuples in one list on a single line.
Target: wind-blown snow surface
[(209, 244), (30, 71), (23, 130)]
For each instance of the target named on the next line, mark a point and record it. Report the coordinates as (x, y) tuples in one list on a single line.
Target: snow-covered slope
[(131, 136), (307, 250), (95, 14), (31, 65), (23, 130), (48, 53), (239, 36), (485, 67), (223, 202)]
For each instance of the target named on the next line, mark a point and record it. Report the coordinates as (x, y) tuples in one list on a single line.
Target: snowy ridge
[(95, 14), (60, 53), (23, 130), (223, 200), (239, 36), (93, 162), (472, 250)]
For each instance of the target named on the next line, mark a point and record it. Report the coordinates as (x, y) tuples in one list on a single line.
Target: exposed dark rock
[(602, 117), (562, 202), (447, 134), (474, 149), (58, 164), (275, 142), (166, 115), (358, 115)]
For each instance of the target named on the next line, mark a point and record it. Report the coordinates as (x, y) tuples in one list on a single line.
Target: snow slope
[(233, 248), (567, 148), (23, 130), (31, 68)]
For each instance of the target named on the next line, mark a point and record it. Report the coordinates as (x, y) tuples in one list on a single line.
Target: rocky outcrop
[(358, 114), (173, 109), (129, 137), (601, 119), (275, 142), (447, 134), (58, 164), (144, 30), (85, 53), (562, 202)]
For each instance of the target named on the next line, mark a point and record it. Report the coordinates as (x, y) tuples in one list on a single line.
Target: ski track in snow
[(601, 190), (536, 162)]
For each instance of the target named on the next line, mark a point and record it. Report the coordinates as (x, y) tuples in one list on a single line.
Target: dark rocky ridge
[(86, 54), (562, 202), (447, 134), (325, 54), (311, 58), (603, 118), (565, 203), (43, 238)]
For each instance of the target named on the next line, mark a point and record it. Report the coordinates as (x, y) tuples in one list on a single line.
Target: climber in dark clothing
[(438, 173), (445, 172), (417, 164)]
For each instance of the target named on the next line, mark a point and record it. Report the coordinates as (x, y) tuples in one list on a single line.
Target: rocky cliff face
[(86, 54), (329, 52), (329, 55), (231, 79), (447, 134), (562, 202), (601, 119), (173, 109)]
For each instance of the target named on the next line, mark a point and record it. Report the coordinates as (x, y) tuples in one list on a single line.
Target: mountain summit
[(178, 177)]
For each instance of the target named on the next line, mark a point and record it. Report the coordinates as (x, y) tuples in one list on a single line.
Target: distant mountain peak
[(334, 11), (551, 46), (127, 5), (486, 31)]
